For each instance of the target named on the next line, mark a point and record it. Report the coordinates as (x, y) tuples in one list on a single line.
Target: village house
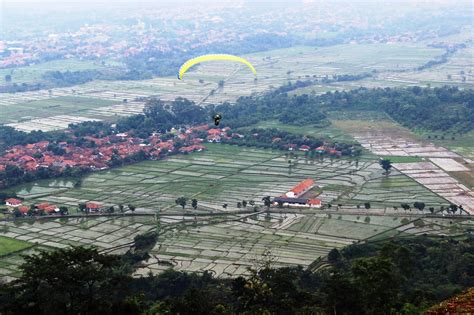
[(47, 208), (293, 198), (304, 148), (192, 148), (31, 157), (214, 132), (214, 138), (13, 202), (320, 149), (297, 202), (92, 207), (291, 146), (335, 152), (23, 210), (300, 189), (237, 135)]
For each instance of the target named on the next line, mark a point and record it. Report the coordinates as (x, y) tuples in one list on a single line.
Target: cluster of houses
[(294, 197), (46, 208), (17, 204), (31, 157), (320, 150)]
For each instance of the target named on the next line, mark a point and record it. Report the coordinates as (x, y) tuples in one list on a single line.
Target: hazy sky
[(221, 1)]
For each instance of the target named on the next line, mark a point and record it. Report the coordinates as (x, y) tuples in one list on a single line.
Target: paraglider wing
[(191, 62)]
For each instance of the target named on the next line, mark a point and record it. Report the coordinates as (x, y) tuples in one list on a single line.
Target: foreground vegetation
[(402, 275)]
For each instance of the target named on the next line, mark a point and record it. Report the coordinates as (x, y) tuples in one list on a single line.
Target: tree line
[(398, 276), (436, 109), (278, 139), (433, 109)]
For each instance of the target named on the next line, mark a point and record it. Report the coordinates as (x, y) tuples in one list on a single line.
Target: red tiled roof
[(91, 205), (69, 163), (201, 128), (24, 209), (214, 132), (164, 145), (304, 185), (42, 144), (316, 202), (13, 201), (27, 158), (49, 209), (192, 148), (214, 138), (43, 206)]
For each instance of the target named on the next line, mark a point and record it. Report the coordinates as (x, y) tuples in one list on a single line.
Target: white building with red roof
[(13, 202), (92, 207), (300, 189), (294, 197), (214, 132), (304, 148)]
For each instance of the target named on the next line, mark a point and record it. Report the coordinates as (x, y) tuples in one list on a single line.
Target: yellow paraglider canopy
[(191, 62)]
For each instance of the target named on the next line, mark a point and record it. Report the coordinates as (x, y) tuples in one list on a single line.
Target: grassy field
[(63, 105), (330, 132), (272, 68), (226, 243), (9, 245), (34, 73), (461, 144), (25, 237), (403, 159), (228, 174)]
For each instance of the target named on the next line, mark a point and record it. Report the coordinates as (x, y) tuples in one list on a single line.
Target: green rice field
[(228, 174), (34, 73), (63, 105)]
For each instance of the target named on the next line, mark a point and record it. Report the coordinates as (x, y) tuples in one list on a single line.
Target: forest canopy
[(433, 109), (400, 276)]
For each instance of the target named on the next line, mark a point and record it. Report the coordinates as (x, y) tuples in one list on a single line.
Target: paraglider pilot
[(217, 119)]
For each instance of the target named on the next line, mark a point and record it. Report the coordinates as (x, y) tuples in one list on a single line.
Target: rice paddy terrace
[(227, 240), (228, 174), (446, 173), (274, 68)]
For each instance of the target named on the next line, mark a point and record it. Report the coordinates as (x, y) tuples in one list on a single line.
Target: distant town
[(160, 32)]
